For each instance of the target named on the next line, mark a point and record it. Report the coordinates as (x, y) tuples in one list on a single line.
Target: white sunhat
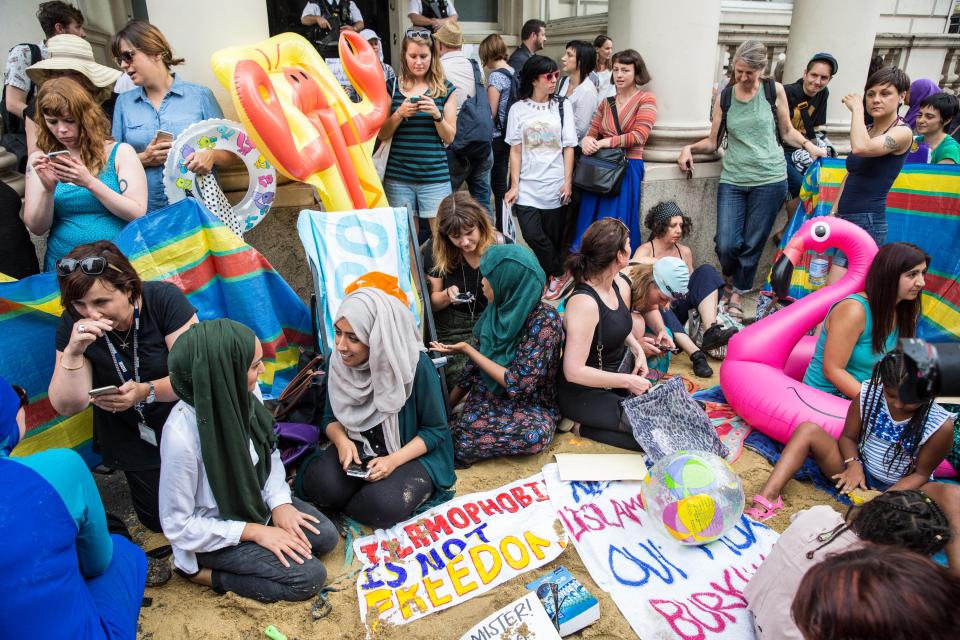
[(72, 53)]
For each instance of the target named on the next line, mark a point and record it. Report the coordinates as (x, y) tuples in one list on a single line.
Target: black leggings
[(145, 494), (379, 504), (599, 413)]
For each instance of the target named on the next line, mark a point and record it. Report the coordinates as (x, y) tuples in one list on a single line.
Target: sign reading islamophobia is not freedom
[(456, 551)]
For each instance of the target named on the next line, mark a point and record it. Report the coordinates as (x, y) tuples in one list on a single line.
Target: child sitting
[(908, 519)]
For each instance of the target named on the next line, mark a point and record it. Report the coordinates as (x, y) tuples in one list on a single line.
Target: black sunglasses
[(92, 266), (425, 34), (22, 393), (126, 56)]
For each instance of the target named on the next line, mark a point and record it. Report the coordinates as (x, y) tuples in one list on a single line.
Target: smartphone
[(464, 297), (104, 391), (163, 136), (54, 154), (414, 99), (665, 349), (358, 470)]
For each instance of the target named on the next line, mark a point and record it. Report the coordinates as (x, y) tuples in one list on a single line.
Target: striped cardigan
[(636, 120)]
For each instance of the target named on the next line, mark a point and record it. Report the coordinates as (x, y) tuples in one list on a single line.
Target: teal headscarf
[(208, 370), (517, 282)]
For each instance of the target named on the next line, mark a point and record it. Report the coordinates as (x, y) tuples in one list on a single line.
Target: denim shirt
[(136, 122)]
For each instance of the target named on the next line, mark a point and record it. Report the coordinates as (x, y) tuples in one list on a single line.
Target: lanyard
[(120, 366)]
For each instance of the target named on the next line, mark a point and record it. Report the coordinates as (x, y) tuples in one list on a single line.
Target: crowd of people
[(585, 315)]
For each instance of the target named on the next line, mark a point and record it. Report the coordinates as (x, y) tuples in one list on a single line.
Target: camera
[(933, 371)]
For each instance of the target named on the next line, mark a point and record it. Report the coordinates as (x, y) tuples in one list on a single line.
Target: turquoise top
[(753, 157), (79, 218), (862, 358)]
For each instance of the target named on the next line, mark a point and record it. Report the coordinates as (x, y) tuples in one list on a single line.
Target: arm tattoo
[(123, 185), (889, 143)]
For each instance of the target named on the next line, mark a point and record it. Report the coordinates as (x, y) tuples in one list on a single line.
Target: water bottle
[(817, 274)]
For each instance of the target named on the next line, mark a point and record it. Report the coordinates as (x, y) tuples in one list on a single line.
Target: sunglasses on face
[(126, 56), (551, 76), (92, 266), (22, 394), (423, 34)]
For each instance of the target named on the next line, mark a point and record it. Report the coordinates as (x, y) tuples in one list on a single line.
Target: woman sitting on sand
[(596, 374), (908, 519), (668, 224), (652, 290), (862, 327), (451, 261), (385, 415), (224, 501), (509, 383)]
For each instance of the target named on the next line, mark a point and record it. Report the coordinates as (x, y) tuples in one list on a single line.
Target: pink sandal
[(769, 509)]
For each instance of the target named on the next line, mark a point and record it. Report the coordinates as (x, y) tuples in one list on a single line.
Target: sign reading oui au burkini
[(456, 551)]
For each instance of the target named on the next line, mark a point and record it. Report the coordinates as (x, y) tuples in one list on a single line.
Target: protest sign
[(664, 589), (456, 551), (522, 619)]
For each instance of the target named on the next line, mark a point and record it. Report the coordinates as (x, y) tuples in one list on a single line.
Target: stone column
[(846, 29), (678, 42)]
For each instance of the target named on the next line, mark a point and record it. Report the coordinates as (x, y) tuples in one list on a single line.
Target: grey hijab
[(373, 393)]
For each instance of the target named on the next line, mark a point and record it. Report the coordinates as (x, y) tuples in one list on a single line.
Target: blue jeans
[(420, 198), (745, 216), (873, 223), (476, 173)]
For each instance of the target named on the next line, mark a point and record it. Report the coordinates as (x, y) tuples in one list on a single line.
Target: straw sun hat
[(72, 53)]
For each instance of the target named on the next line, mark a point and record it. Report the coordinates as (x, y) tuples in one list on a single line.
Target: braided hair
[(908, 519), (890, 373)]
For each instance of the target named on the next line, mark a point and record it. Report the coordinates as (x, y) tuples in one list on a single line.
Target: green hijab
[(208, 370), (517, 282)]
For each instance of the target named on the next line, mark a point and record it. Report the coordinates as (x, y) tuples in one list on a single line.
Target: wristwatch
[(438, 119), (151, 395)]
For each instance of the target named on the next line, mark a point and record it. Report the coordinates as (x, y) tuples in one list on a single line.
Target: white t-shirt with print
[(536, 126), (15, 72)]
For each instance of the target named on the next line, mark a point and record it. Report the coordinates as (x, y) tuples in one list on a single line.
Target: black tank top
[(613, 328), (653, 251)]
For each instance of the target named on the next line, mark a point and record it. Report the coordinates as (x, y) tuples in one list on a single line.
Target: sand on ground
[(183, 610)]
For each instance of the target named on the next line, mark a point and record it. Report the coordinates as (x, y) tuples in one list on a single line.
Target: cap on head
[(823, 56), (671, 275)]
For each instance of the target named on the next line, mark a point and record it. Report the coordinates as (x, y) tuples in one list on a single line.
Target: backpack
[(512, 96), (474, 124), (726, 97)]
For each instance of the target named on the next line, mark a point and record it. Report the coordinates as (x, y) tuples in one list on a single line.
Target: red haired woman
[(81, 185)]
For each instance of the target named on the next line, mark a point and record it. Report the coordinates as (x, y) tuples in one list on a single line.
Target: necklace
[(124, 340), (472, 305)]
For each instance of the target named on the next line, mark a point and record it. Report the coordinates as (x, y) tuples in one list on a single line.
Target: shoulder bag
[(602, 172)]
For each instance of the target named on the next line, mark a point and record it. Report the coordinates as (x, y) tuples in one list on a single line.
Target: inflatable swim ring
[(224, 135), (302, 120), (754, 376)]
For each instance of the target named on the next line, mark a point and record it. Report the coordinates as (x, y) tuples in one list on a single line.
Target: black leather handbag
[(602, 172)]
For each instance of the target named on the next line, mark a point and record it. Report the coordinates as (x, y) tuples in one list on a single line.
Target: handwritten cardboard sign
[(456, 551), (664, 589), (522, 619)]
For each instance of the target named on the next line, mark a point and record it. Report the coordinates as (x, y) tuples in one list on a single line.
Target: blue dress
[(79, 218), (63, 574)]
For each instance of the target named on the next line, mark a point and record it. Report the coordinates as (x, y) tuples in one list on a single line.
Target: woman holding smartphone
[(81, 186), (116, 331), (161, 107), (423, 119)]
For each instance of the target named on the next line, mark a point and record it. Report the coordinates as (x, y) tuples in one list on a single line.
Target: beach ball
[(693, 496)]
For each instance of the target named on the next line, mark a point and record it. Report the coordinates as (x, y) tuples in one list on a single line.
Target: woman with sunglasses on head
[(597, 372), (423, 120), (57, 550), (621, 122), (112, 344), (162, 102), (81, 185), (542, 137)]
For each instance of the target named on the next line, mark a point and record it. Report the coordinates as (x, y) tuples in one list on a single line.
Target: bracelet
[(62, 364), (853, 459), (440, 119)]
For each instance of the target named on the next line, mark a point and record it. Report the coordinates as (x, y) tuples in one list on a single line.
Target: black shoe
[(700, 366), (716, 336)]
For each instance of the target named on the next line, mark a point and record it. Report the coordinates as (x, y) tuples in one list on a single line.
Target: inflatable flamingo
[(765, 362)]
